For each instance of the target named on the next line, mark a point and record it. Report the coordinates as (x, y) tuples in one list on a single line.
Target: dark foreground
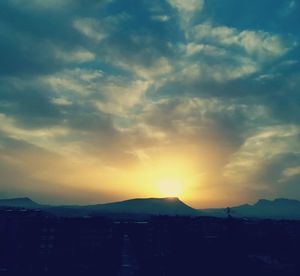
[(32, 243)]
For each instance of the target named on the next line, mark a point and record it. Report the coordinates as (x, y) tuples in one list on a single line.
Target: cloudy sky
[(103, 100)]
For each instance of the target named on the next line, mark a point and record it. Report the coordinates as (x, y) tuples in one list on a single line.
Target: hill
[(153, 206), (279, 208), (23, 202)]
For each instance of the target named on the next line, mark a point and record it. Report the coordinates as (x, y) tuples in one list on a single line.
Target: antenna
[(228, 211)]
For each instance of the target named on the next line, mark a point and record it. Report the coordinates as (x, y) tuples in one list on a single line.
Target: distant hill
[(154, 206), (280, 208), (23, 202)]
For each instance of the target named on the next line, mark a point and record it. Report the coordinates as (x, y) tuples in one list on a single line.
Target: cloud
[(102, 89), (61, 101), (162, 18), (39, 49), (258, 44), (90, 27), (40, 4), (187, 6), (291, 172), (119, 99), (271, 147), (289, 8), (187, 9), (76, 56)]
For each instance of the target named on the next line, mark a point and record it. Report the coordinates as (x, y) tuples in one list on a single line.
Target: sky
[(105, 100)]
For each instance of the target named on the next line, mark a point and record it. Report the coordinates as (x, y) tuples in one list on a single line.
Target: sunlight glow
[(169, 187), (168, 175)]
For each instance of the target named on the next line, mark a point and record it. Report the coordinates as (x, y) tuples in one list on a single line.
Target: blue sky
[(94, 94)]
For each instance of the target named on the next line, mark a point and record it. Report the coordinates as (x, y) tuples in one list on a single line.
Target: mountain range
[(276, 209)]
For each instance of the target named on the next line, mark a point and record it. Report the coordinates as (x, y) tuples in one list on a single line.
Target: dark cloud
[(29, 104), (266, 14)]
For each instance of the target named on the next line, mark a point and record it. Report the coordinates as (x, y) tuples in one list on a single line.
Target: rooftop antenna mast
[(228, 212)]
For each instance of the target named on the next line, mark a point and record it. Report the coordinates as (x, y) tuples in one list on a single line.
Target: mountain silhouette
[(23, 202), (280, 208), (154, 206)]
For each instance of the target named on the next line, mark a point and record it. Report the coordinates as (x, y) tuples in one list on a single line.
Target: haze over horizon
[(108, 100)]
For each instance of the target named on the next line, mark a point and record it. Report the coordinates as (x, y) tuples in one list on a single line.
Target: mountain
[(23, 202), (153, 206), (279, 208)]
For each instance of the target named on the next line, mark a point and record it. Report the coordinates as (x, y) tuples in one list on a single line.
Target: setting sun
[(167, 175), (169, 187)]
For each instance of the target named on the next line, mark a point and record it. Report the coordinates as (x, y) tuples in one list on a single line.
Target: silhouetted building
[(35, 243)]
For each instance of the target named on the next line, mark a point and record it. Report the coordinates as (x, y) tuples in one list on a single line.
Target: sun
[(169, 187), (166, 175)]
